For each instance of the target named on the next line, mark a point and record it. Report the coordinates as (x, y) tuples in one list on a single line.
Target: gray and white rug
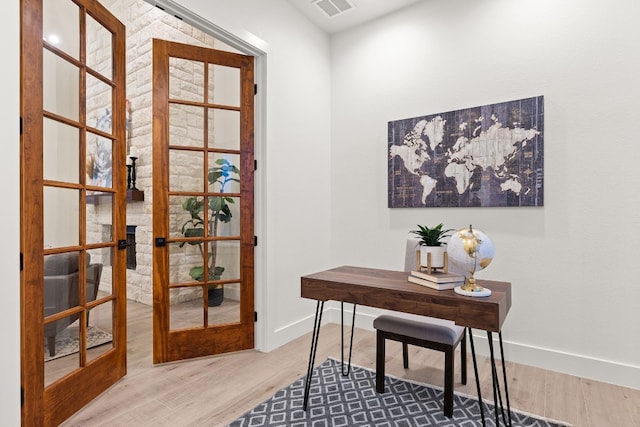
[(335, 401), (67, 341)]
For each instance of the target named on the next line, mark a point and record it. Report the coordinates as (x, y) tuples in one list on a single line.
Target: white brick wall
[(144, 22)]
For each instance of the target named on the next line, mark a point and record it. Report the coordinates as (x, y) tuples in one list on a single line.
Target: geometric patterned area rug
[(67, 340), (335, 400)]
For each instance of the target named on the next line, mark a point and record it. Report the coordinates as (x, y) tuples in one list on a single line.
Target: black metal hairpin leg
[(353, 318), (475, 370), (504, 376), (496, 384), (312, 353), (497, 400)]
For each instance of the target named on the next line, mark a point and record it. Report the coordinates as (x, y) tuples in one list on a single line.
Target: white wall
[(575, 296), (10, 214)]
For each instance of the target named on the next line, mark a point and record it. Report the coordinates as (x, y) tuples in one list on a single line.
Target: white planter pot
[(437, 256)]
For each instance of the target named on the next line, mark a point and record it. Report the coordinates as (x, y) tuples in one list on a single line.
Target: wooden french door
[(73, 189), (203, 164)]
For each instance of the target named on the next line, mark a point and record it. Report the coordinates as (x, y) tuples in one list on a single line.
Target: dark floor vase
[(216, 295)]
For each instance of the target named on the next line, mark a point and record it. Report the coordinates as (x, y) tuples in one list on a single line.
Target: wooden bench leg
[(380, 349), (449, 356)]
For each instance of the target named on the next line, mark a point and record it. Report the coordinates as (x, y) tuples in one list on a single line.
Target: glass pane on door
[(99, 330), (224, 129), (224, 173), (186, 216), (228, 310), (186, 80), (98, 104), (61, 292), (99, 48), (61, 86), (186, 125), (99, 162), (99, 273), (225, 256), (61, 26), (99, 217), (186, 262), (224, 214), (185, 308), (186, 170), (224, 85), (61, 344), (61, 158), (61, 217)]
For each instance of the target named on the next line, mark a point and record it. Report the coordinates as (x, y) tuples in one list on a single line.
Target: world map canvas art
[(492, 155)]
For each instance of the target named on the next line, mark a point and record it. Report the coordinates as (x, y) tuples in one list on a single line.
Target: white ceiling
[(362, 11)]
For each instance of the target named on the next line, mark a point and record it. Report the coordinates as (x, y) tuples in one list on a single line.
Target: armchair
[(61, 291)]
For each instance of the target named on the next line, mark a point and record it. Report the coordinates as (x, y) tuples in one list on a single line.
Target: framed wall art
[(492, 155)]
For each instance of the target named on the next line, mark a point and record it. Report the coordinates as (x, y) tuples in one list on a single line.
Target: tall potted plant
[(431, 242), (223, 173)]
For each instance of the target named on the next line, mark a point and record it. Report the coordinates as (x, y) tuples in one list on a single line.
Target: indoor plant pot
[(437, 256), (216, 295), (431, 243)]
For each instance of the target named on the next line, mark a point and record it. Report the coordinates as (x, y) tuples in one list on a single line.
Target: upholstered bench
[(427, 332)]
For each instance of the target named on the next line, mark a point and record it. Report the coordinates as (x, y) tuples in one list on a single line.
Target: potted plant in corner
[(223, 173), (431, 243)]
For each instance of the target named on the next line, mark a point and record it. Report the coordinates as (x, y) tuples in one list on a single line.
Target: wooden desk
[(391, 290)]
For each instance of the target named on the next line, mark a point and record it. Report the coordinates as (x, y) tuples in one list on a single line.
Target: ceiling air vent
[(333, 7)]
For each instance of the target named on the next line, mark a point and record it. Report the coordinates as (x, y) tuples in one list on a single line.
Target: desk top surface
[(391, 290)]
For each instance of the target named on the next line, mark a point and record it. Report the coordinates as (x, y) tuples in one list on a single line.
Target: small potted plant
[(222, 173), (431, 243)]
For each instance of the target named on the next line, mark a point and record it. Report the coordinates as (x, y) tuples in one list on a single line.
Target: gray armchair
[(61, 290)]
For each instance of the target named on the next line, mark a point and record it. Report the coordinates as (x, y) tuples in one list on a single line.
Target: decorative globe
[(470, 250)]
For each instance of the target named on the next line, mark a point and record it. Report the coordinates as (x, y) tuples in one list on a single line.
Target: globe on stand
[(470, 250)]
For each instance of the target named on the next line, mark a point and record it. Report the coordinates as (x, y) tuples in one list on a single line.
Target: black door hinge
[(255, 165), (255, 316), (21, 261), (255, 89), (21, 397), (20, 125), (255, 240)]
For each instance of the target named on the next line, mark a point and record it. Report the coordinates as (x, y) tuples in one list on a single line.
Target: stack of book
[(436, 280)]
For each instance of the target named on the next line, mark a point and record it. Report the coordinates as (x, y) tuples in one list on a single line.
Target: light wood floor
[(213, 391)]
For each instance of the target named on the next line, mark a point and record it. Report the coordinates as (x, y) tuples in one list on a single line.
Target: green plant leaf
[(217, 203), (431, 236), (194, 232), (197, 272), (214, 176), (216, 272)]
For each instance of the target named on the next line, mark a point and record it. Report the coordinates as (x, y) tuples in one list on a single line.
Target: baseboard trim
[(567, 363)]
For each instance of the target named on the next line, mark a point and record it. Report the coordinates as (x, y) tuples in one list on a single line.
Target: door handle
[(123, 244)]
